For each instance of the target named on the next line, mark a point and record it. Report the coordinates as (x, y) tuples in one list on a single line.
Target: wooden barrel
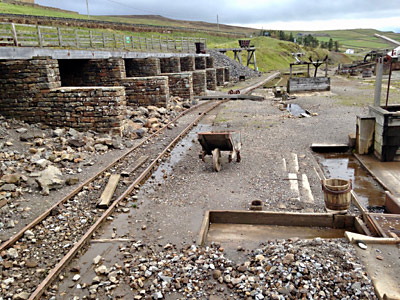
[(337, 193)]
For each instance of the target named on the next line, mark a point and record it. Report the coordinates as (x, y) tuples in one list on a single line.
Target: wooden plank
[(328, 147), (306, 189), (108, 192), (204, 228), (133, 168), (272, 218)]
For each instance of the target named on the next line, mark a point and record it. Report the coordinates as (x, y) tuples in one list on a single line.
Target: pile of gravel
[(237, 69), (281, 269)]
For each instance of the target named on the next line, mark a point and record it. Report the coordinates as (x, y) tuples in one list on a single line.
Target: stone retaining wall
[(199, 83), (84, 108), (180, 85), (30, 90), (142, 67), (146, 91), (220, 76), (23, 83), (211, 79), (200, 62), (92, 72), (210, 62), (187, 63), (170, 64), (227, 74)]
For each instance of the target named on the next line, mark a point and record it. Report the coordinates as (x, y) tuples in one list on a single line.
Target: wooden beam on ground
[(305, 186), (108, 192), (136, 166), (323, 147)]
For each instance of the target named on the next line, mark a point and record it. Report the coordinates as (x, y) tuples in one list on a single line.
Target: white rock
[(76, 277)]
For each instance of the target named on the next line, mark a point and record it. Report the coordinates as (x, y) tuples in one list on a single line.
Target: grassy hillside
[(273, 54), (135, 19), (361, 40)]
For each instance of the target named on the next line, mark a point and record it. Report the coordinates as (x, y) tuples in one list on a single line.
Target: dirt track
[(171, 205)]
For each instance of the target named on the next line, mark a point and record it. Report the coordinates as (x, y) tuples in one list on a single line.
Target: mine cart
[(214, 142)]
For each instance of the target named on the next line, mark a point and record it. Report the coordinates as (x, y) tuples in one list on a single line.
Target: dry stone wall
[(209, 62), (146, 91), (83, 108), (30, 90), (170, 64), (180, 85), (211, 79), (200, 62), (92, 72), (142, 67), (220, 76), (23, 83), (187, 63), (227, 74), (199, 82)]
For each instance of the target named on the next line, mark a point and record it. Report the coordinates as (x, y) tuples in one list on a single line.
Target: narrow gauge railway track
[(37, 254)]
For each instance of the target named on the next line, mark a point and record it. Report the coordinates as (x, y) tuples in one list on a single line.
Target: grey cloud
[(229, 12)]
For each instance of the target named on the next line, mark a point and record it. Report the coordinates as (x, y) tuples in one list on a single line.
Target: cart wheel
[(238, 157), (216, 154)]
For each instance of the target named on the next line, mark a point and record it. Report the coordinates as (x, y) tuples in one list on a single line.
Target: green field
[(271, 54), (361, 40)]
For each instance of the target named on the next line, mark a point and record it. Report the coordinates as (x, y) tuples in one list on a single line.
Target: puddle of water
[(296, 110), (346, 166), (177, 153)]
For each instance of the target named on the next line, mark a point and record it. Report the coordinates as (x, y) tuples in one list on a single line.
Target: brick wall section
[(180, 85), (199, 82), (211, 79), (187, 63), (83, 108), (146, 91), (220, 76), (170, 64), (227, 74), (209, 62), (92, 72), (142, 67), (200, 62), (23, 83)]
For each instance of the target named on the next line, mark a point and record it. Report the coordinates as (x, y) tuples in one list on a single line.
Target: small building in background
[(349, 51)]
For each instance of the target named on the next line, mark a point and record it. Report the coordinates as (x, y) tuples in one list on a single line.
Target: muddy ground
[(172, 204)]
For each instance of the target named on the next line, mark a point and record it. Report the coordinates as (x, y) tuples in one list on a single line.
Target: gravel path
[(161, 263)]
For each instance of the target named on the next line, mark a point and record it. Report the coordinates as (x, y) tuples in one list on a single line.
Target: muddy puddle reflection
[(178, 152), (346, 166)]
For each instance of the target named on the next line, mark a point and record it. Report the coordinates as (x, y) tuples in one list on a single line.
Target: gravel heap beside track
[(281, 269), (237, 69)]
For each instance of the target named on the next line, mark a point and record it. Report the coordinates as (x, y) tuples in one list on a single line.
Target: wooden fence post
[(76, 38), (115, 42), (39, 36), (59, 36), (91, 39), (14, 34), (104, 40)]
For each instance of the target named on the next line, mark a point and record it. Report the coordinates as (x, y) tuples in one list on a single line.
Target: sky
[(267, 14)]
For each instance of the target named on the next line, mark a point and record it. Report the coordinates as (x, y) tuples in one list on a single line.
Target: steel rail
[(71, 253), (40, 218)]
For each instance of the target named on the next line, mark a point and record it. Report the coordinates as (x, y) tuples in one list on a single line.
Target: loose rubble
[(281, 269), (236, 69), (38, 159)]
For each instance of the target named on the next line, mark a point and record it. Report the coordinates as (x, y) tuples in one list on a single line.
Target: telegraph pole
[(217, 23), (87, 8)]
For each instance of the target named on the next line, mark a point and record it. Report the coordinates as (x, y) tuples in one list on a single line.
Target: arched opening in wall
[(74, 72)]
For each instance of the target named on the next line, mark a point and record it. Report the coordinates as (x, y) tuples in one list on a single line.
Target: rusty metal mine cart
[(214, 142)]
